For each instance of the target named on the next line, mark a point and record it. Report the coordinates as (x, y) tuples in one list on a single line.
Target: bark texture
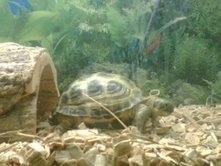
[(28, 87)]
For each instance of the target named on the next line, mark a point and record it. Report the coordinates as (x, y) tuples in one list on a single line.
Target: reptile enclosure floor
[(190, 136)]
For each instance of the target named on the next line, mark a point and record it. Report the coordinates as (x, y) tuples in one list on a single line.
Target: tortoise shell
[(115, 92)]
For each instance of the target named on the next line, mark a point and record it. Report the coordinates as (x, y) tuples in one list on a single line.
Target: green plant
[(95, 34), (8, 22), (206, 19), (78, 33), (195, 61)]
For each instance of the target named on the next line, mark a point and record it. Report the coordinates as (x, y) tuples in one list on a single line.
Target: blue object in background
[(17, 5), (96, 3), (133, 44)]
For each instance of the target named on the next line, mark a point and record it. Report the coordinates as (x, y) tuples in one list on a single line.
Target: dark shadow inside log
[(47, 95)]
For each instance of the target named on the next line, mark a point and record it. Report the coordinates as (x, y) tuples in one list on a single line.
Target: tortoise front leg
[(143, 114)]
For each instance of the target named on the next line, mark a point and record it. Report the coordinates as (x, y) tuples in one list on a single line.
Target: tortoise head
[(163, 106)]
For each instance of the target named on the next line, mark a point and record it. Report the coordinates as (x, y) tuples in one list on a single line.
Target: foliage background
[(79, 33)]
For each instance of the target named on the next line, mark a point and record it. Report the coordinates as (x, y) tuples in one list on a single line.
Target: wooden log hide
[(28, 87)]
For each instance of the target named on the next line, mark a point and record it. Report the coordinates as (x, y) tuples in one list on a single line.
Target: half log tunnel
[(28, 88)]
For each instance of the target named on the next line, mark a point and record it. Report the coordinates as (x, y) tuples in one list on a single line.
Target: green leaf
[(118, 27), (38, 25), (6, 20)]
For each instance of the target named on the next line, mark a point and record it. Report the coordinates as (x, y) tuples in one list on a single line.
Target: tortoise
[(86, 99)]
